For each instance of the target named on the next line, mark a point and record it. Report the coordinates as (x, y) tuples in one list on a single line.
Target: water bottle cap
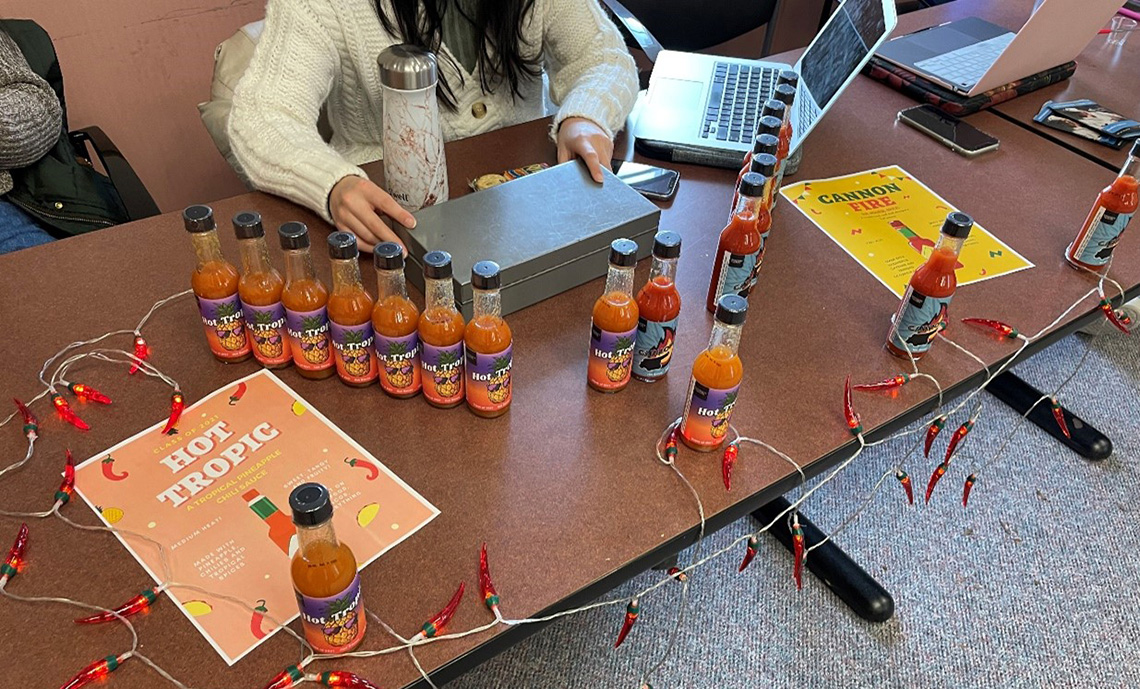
[(408, 68)]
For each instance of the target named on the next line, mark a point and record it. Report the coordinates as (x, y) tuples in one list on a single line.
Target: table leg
[(1086, 441), (832, 566)]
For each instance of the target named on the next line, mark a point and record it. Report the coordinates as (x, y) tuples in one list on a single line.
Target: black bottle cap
[(388, 256), (752, 184), (769, 125), (437, 265), (786, 94), (311, 504), (958, 224), (247, 225), (764, 164), (774, 108), (788, 77), (667, 245), (732, 309), (342, 245), (623, 253), (293, 235), (486, 275), (199, 219), (765, 143)]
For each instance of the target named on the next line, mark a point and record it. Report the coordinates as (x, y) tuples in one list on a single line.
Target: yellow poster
[(215, 495), (889, 221)]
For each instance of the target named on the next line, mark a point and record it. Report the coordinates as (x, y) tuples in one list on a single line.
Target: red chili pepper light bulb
[(436, 624), (142, 352), (134, 606), (671, 446), (854, 423), (798, 552), (731, 452), (753, 544), (632, 610), (95, 671), (63, 495), (892, 383), (346, 680), (31, 424), (87, 393), (904, 479), (1114, 317), (970, 481), (65, 413), (486, 586), (290, 676), (177, 404), (1059, 416), (936, 427), (678, 574), (997, 327), (15, 561)]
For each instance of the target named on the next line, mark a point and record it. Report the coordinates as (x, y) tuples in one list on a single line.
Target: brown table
[(564, 489), (1106, 74)]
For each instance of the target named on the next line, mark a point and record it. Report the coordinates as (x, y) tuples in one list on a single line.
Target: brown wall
[(138, 68)]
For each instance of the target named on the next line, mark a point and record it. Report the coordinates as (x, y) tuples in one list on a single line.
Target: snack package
[(1054, 121), (1093, 115)]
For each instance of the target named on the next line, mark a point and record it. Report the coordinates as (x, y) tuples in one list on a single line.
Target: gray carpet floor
[(1033, 585)]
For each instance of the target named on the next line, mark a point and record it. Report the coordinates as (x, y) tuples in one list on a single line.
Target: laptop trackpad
[(673, 105)]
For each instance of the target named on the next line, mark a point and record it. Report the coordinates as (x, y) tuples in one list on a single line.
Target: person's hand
[(580, 137), (355, 204)]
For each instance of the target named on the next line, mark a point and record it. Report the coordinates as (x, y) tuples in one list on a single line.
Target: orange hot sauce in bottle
[(324, 575), (786, 94), (613, 329), (488, 343), (922, 313), (739, 254), (350, 314), (305, 298), (1106, 222), (215, 284), (441, 334), (658, 306), (260, 289), (394, 323), (717, 372)]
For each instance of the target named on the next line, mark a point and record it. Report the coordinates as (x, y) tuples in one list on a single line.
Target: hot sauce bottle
[(215, 284), (324, 575), (716, 379), (441, 334), (305, 298), (350, 314), (792, 162), (613, 329), (923, 311), (786, 94), (737, 260), (394, 323), (1108, 218), (260, 290), (764, 164), (488, 343), (765, 144), (658, 306)]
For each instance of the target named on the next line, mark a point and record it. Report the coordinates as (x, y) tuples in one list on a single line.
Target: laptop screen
[(841, 47)]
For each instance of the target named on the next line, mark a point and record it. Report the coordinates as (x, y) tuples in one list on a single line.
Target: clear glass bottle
[(260, 289), (394, 322), (350, 314), (717, 372), (658, 306), (613, 329), (324, 575), (737, 261), (488, 342), (215, 284), (305, 298), (441, 334)]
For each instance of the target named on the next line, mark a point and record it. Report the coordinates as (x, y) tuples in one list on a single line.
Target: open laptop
[(703, 108), (972, 56)]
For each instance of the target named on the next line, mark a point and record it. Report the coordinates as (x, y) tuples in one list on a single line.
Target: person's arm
[(273, 127), (593, 80), (31, 120)]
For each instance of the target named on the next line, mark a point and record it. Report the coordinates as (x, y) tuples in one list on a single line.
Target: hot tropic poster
[(889, 222), (216, 495)]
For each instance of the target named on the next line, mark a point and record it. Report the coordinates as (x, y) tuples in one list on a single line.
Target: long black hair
[(500, 43)]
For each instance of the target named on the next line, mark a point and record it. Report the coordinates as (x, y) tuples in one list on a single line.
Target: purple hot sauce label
[(611, 358), (489, 380), (266, 326), (442, 372), (225, 326), (309, 339), (399, 361), (335, 623), (707, 414), (353, 352)]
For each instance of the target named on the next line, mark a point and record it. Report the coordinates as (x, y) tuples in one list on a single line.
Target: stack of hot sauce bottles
[(1106, 222), (922, 314), (785, 92)]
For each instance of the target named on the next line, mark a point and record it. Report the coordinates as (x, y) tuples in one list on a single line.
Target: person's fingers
[(381, 201), (605, 150), (378, 229), (364, 237), (593, 162), (564, 152)]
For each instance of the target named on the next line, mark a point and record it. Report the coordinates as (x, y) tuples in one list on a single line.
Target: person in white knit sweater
[(492, 57)]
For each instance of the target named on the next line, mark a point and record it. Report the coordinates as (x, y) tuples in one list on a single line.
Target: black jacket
[(60, 191)]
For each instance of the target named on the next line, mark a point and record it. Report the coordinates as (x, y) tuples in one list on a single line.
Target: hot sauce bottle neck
[(390, 283), (725, 335), (663, 268), (620, 279), (488, 303), (955, 230), (749, 205), (1131, 166), (254, 255), (439, 293), (952, 244), (299, 265), (345, 274), (207, 248), (308, 536)]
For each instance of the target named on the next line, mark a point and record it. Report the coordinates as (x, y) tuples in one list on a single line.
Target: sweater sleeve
[(31, 120), (273, 125), (592, 75)]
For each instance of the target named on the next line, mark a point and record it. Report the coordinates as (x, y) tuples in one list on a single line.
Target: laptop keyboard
[(735, 100), (965, 66)]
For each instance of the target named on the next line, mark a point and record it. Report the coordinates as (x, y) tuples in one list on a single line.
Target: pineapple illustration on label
[(225, 327), (443, 373), (355, 357), (267, 329), (489, 380), (611, 358), (330, 624), (708, 413), (399, 363), (309, 339)]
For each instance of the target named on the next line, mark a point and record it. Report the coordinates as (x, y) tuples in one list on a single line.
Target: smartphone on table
[(950, 131), (651, 182)]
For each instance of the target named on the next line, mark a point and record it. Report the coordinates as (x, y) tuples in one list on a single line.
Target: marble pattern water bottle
[(415, 170)]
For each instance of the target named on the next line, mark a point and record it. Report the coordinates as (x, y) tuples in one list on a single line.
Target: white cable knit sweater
[(313, 51)]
